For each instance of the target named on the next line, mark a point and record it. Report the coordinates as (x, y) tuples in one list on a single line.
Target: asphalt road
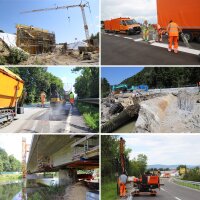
[(121, 49), (171, 191), (45, 120)]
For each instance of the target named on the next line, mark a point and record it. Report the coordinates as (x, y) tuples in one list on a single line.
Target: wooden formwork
[(35, 40)]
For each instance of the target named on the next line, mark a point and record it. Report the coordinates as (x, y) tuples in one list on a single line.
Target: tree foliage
[(37, 79), (8, 163), (105, 87), (110, 164), (87, 84), (165, 77), (192, 175)]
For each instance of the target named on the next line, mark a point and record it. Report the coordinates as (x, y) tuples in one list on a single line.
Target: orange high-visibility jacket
[(173, 29)]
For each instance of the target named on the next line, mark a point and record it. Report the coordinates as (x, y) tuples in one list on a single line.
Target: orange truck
[(124, 25), (184, 12)]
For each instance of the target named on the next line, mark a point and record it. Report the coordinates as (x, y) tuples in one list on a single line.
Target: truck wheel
[(189, 36), (128, 32)]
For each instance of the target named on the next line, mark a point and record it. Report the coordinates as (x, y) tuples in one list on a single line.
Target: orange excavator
[(147, 183)]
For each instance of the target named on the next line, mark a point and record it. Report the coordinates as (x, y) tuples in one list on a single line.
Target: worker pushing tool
[(145, 29), (43, 98), (173, 36), (71, 98)]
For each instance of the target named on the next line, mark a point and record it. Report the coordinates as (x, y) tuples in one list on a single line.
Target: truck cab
[(130, 26)]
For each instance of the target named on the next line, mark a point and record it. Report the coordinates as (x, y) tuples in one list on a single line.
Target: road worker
[(122, 184), (71, 98), (173, 35), (42, 98), (145, 28), (158, 32)]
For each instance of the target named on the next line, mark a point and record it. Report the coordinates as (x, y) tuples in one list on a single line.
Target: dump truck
[(124, 25), (185, 13), (11, 95)]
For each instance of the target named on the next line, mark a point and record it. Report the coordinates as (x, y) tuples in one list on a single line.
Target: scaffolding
[(35, 40)]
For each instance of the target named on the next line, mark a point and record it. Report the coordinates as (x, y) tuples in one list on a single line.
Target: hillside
[(165, 77)]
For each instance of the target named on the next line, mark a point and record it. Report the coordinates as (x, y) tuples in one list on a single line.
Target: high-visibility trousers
[(171, 40), (71, 101), (122, 189)]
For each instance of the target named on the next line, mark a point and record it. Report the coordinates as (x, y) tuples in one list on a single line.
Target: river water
[(8, 190), (128, 128)]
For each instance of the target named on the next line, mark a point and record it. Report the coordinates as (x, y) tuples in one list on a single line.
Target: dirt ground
[(57, 58), (76, 191)]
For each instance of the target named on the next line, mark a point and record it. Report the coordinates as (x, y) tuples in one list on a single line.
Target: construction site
[(127, 173), (33, 45), (140, 109), (141, 35), (64, 167)]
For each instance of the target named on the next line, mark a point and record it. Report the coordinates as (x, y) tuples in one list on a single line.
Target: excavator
[(146, 184)]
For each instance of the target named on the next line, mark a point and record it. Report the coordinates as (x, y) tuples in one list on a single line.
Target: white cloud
[(166, 149), (137, 9)]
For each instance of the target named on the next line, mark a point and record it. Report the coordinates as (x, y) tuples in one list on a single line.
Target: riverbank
[(9, 177)]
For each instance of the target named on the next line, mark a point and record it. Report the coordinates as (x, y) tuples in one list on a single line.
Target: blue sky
[(66, 75), (167, 149), (66, 29), (116, 75)]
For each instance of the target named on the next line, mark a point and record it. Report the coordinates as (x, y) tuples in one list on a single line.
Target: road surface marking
[(162, 189), (182, 49), (117, 35), (177, 198), (129, 38), (67, 127), (110, 34), (138, 40)]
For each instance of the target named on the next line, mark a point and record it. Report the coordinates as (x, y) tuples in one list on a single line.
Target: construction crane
[(82, 7), (25, 150)]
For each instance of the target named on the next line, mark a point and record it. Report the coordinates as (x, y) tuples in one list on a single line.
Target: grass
[(187, 185), (10, 177), (109, 191), (90, 114)]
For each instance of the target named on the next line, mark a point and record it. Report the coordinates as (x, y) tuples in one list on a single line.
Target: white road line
[(177, 198), (182, 49), (117, 35), (129, 38), (110, 34), (138, 40), (162, 189), (67, 127)]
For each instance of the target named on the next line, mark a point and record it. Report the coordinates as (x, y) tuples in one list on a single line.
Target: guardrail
[(193, 184), (90, 100)]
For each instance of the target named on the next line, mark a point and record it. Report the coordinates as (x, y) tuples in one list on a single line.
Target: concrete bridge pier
[(67, 176)]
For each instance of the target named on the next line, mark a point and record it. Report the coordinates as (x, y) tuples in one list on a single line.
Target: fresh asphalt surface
[(171, 191), (121, 50), (64, 119)]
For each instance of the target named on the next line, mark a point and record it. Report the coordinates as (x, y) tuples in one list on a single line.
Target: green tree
[(105, 87), (87, 84)]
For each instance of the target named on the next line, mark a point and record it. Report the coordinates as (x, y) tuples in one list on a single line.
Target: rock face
[(170, 114), (151, 114)]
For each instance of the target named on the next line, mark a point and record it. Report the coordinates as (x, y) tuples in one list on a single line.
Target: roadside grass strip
[(189, 185)]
